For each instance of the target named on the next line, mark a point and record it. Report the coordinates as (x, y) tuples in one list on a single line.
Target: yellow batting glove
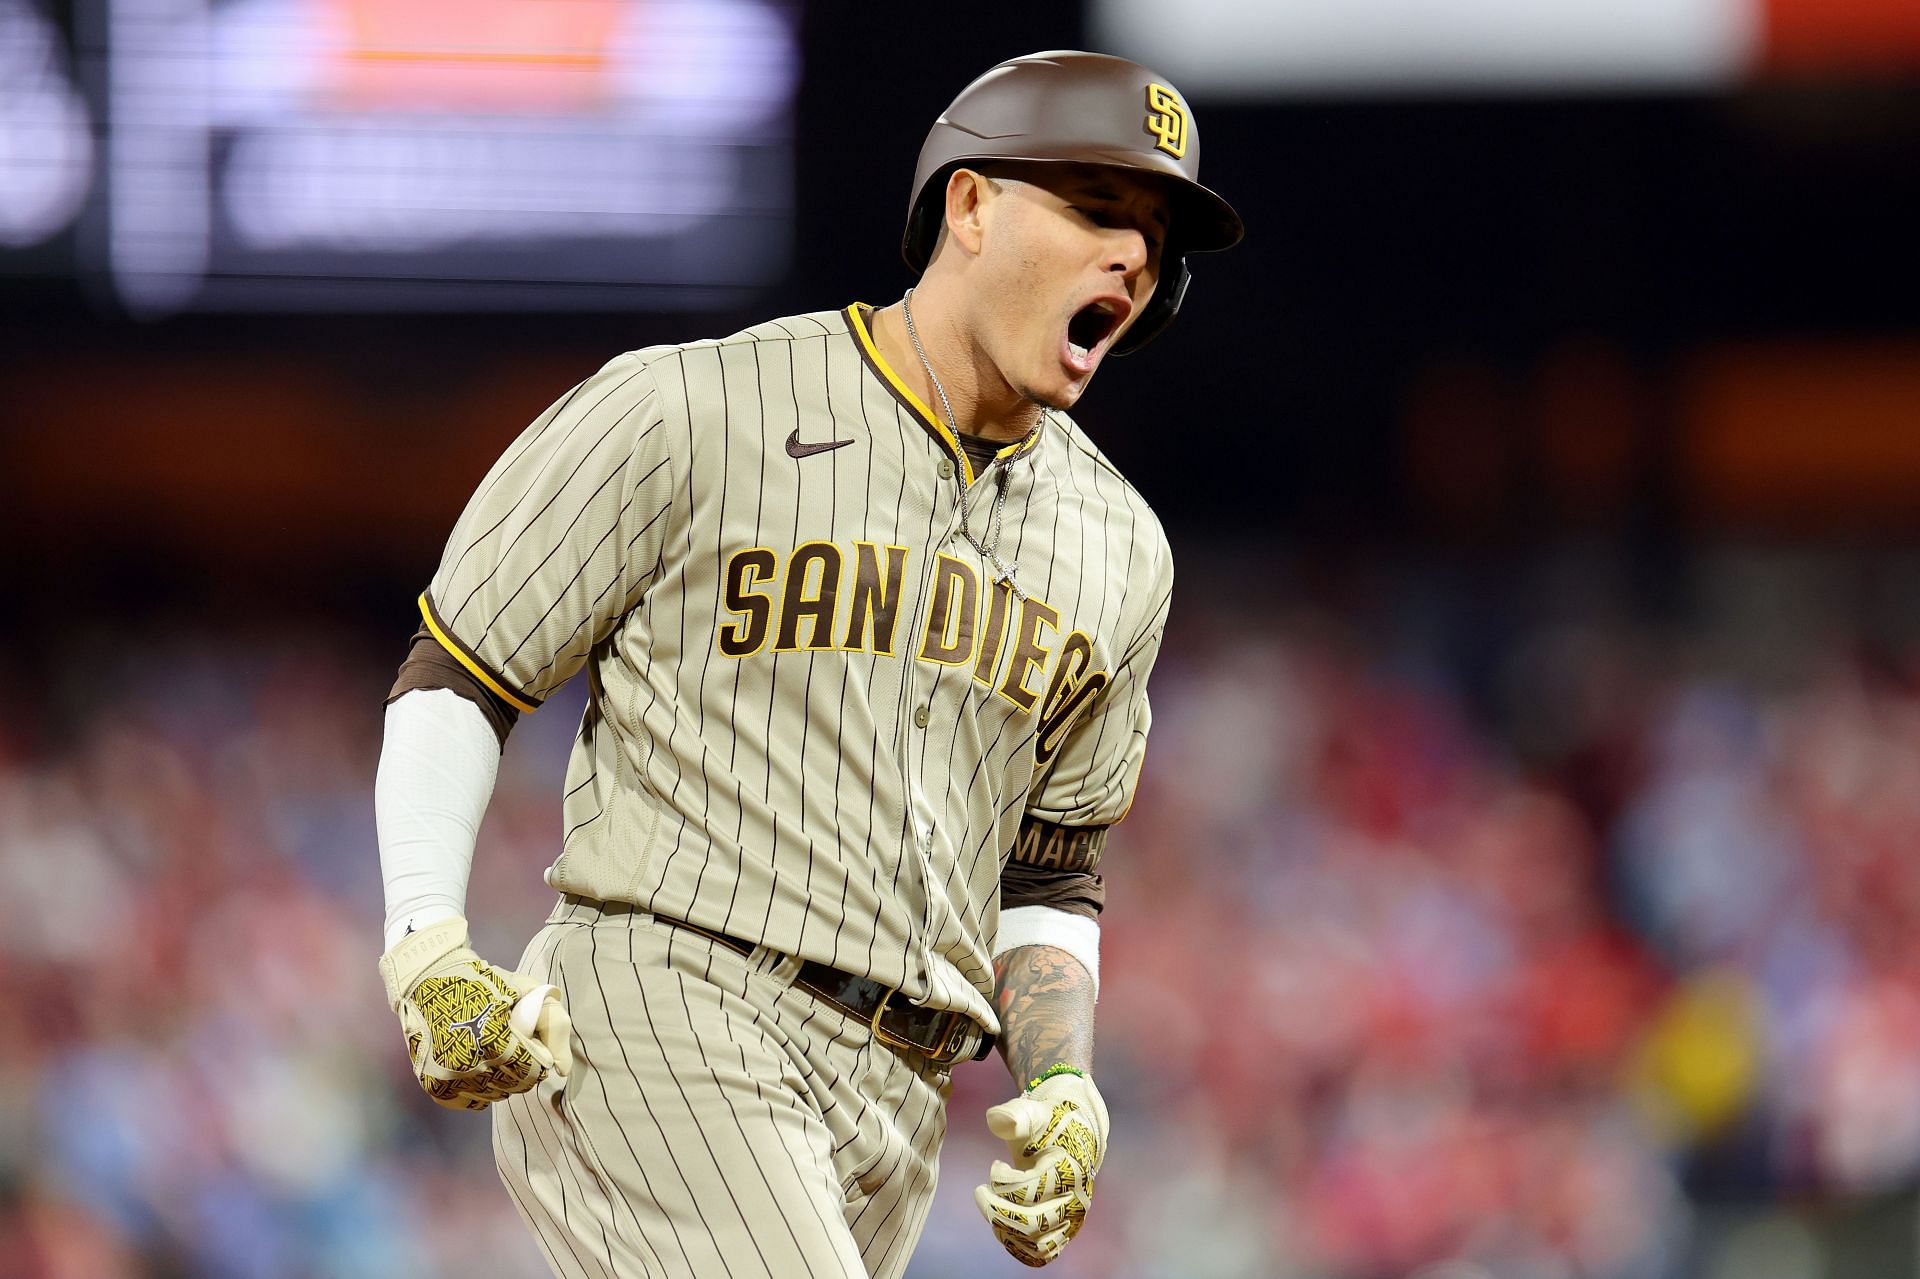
[(477, 1034), (1057, 1133)]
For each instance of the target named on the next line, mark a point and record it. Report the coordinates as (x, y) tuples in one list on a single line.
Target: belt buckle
[(897, 1042), (942, 1052)]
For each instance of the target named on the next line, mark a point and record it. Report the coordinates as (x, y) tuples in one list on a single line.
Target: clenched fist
[(1057, 1133), (477, 1033)]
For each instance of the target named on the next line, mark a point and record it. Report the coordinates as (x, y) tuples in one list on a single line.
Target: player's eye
[(1102, 217)]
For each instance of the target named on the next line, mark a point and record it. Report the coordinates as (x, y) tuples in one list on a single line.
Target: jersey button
[(920, 717), (946, 468)]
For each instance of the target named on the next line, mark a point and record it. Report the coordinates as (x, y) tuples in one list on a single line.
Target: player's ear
[(968, 194)]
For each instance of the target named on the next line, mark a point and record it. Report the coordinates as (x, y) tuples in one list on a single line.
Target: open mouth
[(1092, 325)]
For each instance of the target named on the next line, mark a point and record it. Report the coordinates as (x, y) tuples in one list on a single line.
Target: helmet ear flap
[(925, 219), (1159, 311), (917, 244)]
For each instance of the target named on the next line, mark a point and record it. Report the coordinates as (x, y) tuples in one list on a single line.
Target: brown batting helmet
[(1078, 108)]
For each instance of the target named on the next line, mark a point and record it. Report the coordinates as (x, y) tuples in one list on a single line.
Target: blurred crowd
[(1463, 929)]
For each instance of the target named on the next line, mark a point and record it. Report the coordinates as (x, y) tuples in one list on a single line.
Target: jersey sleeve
[(1089, 778), (1086, 784), (561, 538)]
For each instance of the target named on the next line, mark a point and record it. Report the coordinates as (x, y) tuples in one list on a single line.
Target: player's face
[(1071, 256)]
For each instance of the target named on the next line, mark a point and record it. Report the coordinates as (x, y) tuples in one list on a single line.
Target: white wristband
[(437, 769), (1045, 926)]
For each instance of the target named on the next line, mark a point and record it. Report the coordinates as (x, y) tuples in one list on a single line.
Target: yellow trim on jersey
[(1027, 441), (474, 668), (905, 392)]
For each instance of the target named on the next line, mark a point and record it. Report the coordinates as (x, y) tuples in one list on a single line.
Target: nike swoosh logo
[(796, 449)]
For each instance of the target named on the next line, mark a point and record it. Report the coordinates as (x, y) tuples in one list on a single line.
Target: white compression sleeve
[(437, 769), (1045, 926)]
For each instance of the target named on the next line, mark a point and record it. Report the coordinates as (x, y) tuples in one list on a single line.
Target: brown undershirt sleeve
[(1074, 894), (430, 666), (1055, 866)]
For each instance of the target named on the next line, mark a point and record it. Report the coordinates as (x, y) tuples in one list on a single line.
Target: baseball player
[(867, 623)]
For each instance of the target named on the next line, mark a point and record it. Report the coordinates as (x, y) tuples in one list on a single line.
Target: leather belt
[(943, 1037)]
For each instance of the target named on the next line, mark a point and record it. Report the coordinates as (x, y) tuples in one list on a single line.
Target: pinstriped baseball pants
[(718, 1120)]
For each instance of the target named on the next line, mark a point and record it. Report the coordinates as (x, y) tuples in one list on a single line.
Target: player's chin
[(1062, 386), (1058, 393)]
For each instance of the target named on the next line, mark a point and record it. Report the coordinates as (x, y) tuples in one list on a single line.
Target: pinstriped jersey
[(819, 716)]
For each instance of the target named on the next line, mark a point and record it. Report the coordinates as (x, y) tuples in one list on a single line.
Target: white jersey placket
[(920, 686), (922, 708)]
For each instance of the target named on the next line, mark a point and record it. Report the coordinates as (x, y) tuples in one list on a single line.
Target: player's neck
[(983, 405)]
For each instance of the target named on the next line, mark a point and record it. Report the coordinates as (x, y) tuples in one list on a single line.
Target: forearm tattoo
[(1045, 1000)]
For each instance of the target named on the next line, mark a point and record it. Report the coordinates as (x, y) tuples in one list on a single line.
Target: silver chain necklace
[(1003, 571)]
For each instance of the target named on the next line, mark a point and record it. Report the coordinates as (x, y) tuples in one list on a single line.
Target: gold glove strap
[(415, 953)]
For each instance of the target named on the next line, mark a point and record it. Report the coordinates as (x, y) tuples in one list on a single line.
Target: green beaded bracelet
[(1058, 1068)]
